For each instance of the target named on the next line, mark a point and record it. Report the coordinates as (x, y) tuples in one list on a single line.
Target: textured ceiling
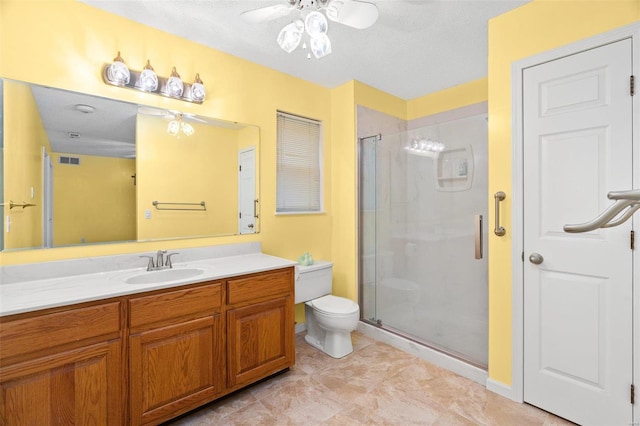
[(415, 48)]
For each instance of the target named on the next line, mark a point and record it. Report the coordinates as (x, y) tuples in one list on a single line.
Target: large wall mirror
[(80, 169)]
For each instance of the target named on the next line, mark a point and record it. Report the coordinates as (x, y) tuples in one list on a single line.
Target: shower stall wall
[(422, 251)]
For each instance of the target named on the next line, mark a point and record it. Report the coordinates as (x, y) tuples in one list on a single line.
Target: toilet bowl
[(329, 319)]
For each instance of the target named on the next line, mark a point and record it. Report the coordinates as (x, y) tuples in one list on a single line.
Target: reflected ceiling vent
[(73, 161)]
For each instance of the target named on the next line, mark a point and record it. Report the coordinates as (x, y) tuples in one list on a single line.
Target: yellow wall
[(186, 169), (24, 138), (469, 93), (64, 44), (94, 201), (534, 28)]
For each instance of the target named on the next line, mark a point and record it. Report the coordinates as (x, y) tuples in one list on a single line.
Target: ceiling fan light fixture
[(175, 86), (187, 129), (320, 45), (290, 36), (148, 78), (316, 23)]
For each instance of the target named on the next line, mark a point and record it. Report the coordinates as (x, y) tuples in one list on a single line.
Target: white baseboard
[(300, 327), (500, 388)]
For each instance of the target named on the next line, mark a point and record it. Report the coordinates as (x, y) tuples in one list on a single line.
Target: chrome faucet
[(161, 262), (160, 259)]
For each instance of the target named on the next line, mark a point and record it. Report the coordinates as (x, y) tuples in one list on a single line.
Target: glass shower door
[(422, 275)]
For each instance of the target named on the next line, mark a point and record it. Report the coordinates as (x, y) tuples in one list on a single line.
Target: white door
[(47, 200), (578, 300), (247, 201)]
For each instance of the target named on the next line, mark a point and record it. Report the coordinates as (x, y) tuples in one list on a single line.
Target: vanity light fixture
[(148, 80), (174, 87), (425, 147), (118, 74)]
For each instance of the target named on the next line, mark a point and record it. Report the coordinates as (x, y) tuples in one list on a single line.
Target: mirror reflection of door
[(247, 213), (247, 191), (47, 200)]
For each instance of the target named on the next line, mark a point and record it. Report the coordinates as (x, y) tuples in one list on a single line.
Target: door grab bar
[(478, 236), (499, 230), (629, 200)]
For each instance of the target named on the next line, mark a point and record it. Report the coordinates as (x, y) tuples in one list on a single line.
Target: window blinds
[(299, 176)]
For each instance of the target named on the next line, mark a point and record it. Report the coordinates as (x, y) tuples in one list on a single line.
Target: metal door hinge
[(633, 240), (632, 85), (633, 394), (240, 168)]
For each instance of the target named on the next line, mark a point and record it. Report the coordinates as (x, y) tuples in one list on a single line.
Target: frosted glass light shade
[(187, 129), (315, 23), (148, 79), (175, 86), (118, 73), (173, 128), (320, 45), (290, 36), (197, 89)]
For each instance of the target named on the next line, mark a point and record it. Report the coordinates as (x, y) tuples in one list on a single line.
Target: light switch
[(147, 214), (33, 193), (8, 223)]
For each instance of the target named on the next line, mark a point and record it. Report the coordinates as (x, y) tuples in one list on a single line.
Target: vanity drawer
[(261, 286), (46, 331), (169, 305)]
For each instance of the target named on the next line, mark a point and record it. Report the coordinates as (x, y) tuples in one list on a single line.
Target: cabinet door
[(77, 387), (175, 368), (260, 340)]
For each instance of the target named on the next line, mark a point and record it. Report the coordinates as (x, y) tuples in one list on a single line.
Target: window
[(299, 166)]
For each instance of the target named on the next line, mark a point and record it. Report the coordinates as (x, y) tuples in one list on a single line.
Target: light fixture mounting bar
[(161, 90)]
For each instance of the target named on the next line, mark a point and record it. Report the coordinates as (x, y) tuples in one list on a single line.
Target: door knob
[(250, 226), (536, 258)]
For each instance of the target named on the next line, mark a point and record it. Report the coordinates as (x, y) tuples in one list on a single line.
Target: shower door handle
[(478, 235)]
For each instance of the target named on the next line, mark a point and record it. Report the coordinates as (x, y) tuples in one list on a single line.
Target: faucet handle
[(150, 265), (168, 260)]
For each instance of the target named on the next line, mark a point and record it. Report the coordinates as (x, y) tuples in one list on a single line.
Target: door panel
[(578, 301)]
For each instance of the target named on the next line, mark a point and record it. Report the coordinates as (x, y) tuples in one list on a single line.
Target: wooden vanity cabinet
[(62, 367), (148, 357), (260, 326), (176, 352)]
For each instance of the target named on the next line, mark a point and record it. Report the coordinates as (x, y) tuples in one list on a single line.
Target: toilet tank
[(313, 281)]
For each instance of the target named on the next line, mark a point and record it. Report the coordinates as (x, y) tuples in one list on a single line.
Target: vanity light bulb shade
[(197, 89), (148, 79), (175, 86), (118, 73)]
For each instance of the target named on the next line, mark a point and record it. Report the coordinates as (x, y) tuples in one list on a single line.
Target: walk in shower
[(422, 231)]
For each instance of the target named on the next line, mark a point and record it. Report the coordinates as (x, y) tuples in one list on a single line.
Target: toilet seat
[(334, 305)]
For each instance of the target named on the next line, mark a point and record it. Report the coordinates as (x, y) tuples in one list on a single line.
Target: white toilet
[(329, 319)]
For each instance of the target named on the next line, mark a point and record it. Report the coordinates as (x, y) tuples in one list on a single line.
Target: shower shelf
[(454, 169)]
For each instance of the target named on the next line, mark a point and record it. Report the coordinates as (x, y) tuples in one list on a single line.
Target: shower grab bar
[(478, 236), (499, 230), (629, 200)]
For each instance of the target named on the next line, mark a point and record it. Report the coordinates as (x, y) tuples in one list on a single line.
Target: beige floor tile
[(375, 385)]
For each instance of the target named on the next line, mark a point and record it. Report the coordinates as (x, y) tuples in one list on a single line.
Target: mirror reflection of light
[(425, 147)]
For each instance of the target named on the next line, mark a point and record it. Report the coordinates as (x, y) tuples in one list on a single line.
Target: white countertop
[(26, 296)]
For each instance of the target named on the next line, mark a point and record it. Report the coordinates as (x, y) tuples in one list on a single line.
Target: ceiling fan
[(179, 122), (353, 13)]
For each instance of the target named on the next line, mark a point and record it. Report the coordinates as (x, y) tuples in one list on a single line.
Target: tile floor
[(375, 385)]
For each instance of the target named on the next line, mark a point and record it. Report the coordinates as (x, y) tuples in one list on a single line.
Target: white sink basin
[(166, 275)]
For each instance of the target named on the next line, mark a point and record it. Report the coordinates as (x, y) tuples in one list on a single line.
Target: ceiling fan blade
[(354, 13), (268, 13)]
